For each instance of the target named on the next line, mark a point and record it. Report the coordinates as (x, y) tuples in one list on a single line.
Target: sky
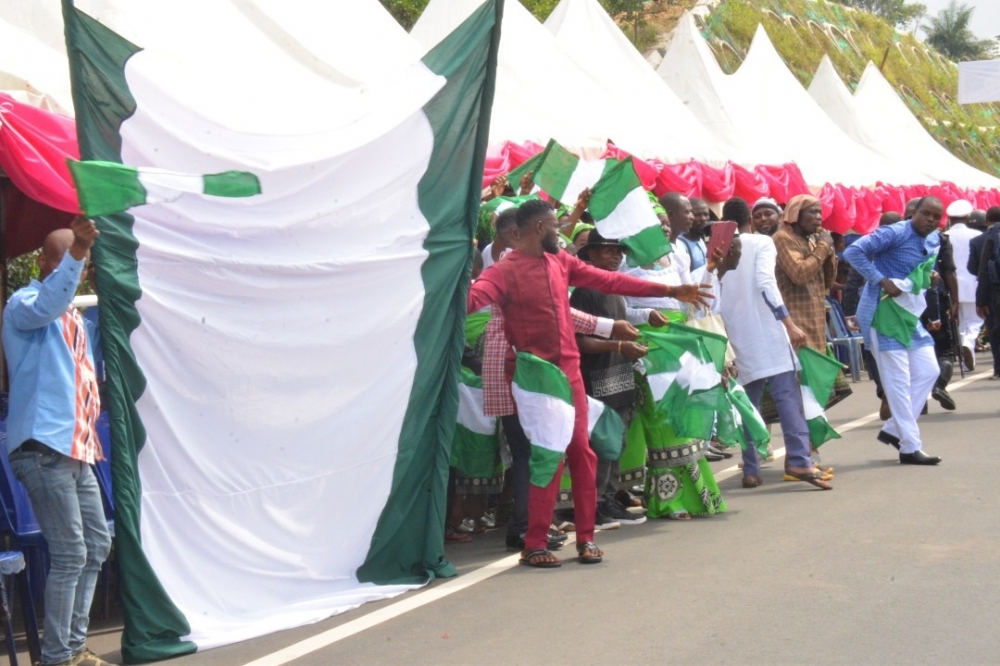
[(985, 20)]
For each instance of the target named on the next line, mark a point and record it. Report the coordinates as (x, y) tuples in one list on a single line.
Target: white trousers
[(969, 324), (908, 375)]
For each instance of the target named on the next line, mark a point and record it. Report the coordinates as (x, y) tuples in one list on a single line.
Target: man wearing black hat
[(606, 366)]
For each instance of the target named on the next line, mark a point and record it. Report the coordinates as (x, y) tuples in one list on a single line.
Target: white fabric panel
[(164, 186), (697, 375), (547, 421), (672, 133), (33, 72), (979, 81), (276, 331), (810, 406), (586, 174), (541, 93), (470, 411), (594, 410), (660, 382), (632, 215)]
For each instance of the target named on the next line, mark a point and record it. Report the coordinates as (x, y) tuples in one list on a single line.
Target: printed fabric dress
[(678, 478)]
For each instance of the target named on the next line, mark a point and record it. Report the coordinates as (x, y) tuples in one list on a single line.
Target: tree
[(629, 12), (406, 12), (899, 13), (949, 33)]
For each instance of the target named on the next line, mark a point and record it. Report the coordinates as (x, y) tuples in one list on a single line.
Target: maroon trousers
[(582, 470)]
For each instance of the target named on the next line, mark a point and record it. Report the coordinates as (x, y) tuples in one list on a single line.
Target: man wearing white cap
[(961, 235)]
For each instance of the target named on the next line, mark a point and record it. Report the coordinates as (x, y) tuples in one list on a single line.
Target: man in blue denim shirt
[(52, 438), (908, 371)]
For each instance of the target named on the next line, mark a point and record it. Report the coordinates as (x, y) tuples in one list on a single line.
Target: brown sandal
[(810, 476), (589, 553)]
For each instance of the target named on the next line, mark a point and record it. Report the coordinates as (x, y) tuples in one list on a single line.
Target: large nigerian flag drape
[(282, 369)]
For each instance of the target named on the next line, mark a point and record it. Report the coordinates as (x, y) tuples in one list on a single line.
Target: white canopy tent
[(764, 106), (691, 71), (368, 47), (673, 134), (877, 117), (541, 93)]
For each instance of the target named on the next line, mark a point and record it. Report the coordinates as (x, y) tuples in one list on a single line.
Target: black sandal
[(530, 559), (589, 553)]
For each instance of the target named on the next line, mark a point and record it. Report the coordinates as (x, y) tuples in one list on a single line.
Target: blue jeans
[(67, 503), (788, 399)]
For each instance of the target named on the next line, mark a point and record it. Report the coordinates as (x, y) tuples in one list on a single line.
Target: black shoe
[(944, 398), (719, 451), (886, 438), (516, 542), (918, 458), (603, 522), (713, 457), (612, 510)]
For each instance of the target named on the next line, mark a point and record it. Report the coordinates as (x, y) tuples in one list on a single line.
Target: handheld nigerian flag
[(500, 204), (606, 428), (545, 408), (683, 367), (742, 417), (618, 202), (816, 380), (104, 188), (621, 210), (897, 317), (474, 449), (245, 423)]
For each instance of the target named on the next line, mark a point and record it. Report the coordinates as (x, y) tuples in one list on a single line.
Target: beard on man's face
[(551, 244)]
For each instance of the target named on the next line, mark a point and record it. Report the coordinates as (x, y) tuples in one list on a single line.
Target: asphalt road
[(897, 565)]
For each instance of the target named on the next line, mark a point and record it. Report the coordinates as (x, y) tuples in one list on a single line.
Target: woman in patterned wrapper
[(679, 481)]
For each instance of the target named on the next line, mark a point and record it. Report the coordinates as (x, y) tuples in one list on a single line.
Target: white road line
[(415, 601), (412, 602)]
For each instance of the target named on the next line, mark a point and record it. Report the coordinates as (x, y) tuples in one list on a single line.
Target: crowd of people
[(548, 282)]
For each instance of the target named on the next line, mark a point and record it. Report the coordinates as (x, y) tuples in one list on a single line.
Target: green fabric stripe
[(106, 187), (527, 166), (97, 56), (471, 379), (819, 373), (921, 275), (555, 170), (475, 326), (618, 180), (408, 543), (535, 375), (608, 435), (647, 246), (231, 184), (499, 204), (894, 321), (544, 464), (820, 431), (473, 454)]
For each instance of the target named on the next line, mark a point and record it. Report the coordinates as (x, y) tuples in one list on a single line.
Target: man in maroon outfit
[(531, 287)]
